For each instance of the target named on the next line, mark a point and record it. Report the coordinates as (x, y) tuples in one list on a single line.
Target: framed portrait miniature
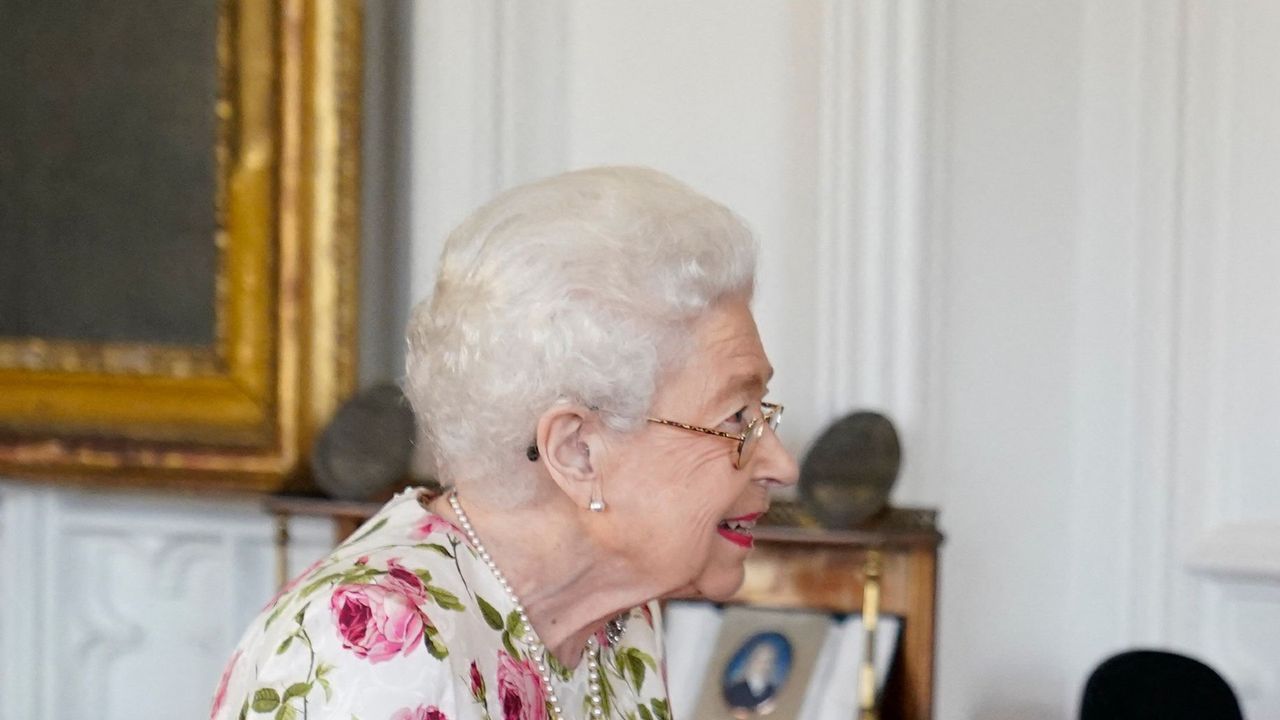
[(762, 663), (756, 672)]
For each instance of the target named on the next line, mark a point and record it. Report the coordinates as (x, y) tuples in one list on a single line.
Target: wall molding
[(1237, 551), (1156, 292), (875, 68), (24, 544), (487, 111), (532, 109), (128, 578), (1126, 327)]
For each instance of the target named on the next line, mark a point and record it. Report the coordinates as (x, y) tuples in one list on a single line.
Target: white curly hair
[(580, 287)]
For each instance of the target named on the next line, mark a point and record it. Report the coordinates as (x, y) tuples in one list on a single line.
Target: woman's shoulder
[(391, 607), (401, 549)]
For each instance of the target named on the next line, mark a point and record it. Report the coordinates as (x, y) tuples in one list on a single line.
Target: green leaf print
[(660, 709), (287, 712), (285, 645), (436, 648), (564, 673), (444, 598), (431, 639), (514, 626), (435, 547), (423, 575), (490, 613), (376, 527), (281, 604), (646, 657), (511, 648), (351, 576), (297, 690), (265, 700), (636, 666), (318, 583), (322, 677), (360, 574), (606, 692), (644, 713)]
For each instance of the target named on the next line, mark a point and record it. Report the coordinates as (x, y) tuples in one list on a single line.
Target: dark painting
[(107, 170)]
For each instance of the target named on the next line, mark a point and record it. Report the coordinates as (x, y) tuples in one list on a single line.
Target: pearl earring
[(597, 502)]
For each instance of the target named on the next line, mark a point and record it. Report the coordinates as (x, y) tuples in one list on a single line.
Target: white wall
[(1038, 233), (126, 605), (1041, 234)]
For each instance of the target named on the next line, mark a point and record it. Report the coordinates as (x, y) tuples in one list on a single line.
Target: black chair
[(1157, 685)]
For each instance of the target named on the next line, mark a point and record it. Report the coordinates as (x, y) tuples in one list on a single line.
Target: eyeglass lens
[(750, 442)]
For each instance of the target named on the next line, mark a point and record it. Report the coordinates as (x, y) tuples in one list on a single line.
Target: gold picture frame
[(240, 412)]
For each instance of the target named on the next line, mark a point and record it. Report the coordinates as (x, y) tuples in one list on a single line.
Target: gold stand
[(282, 549), (871, 569)]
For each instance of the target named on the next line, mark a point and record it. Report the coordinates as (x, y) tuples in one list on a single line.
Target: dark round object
[(849, 471), (1146, 684), (365, 448)]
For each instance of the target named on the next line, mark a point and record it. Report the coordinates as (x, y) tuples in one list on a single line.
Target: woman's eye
[(738, 419)]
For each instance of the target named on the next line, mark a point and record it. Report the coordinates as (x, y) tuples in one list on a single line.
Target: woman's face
[(677, 503), (760, 664)]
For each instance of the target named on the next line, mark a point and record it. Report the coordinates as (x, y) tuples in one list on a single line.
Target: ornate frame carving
[(238, 414)]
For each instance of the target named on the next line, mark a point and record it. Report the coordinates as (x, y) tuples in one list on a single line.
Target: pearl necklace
[(531, 639)]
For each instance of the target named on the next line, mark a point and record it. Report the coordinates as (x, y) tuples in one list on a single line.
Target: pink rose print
[(377, 622), (402, 580), (432, 523), (520, 689), (477, 683), (220, 695), (422, 712)]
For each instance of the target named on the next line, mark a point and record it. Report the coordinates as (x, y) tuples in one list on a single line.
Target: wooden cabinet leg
[(282, 549)]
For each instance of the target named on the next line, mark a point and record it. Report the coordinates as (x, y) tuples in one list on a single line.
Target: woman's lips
[(737, 530), (737, 538)]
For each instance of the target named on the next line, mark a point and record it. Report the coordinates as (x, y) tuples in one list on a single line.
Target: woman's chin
[(721, 584)]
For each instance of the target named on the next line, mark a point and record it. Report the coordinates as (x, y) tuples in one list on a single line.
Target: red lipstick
[(737, 530)]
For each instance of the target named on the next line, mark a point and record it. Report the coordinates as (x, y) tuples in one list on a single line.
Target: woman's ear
[(566, 433)]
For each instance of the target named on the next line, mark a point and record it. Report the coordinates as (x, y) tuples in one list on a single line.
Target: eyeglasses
[(770, 414)]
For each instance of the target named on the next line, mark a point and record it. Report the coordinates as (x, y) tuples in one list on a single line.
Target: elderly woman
[(593, 388)]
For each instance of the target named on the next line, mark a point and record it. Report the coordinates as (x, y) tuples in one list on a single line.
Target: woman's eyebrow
[(752, 380)]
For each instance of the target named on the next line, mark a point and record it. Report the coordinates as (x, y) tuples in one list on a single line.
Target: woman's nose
[(774, 462)]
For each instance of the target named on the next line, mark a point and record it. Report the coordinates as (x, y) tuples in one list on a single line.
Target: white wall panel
[(1121, 490), (871, 260), (1005, 358), (1247, 644), (1178, 185), (1227, 515), (127, 606)]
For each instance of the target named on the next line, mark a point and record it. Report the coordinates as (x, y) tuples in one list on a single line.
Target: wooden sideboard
[(796, 564)]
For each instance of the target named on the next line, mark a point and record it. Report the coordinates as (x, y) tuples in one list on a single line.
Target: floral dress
[(403, 621)]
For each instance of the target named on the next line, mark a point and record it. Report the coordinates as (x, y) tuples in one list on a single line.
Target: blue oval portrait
[(756, 672)]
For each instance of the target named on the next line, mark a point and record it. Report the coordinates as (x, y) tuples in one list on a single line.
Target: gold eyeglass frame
[(770, 414)]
